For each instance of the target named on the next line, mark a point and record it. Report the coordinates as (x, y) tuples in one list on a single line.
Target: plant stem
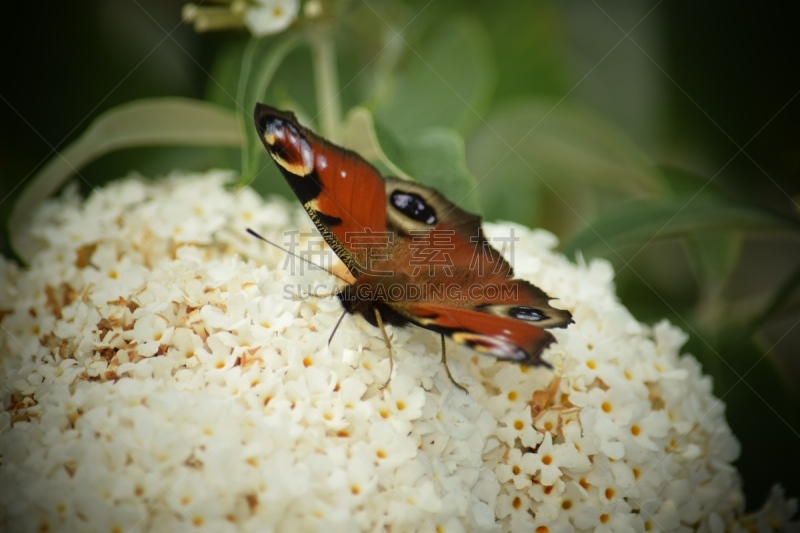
[(329, 106), (242, 115)]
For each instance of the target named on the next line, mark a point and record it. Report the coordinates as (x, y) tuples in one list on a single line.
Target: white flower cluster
[(156, 377)]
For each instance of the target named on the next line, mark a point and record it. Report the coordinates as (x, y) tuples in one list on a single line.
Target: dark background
[(705, 87)]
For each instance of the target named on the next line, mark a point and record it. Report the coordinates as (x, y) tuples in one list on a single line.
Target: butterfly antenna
[(336, 327), (307, 260)]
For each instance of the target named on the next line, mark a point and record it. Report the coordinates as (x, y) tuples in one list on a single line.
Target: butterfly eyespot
[(529, 314), (413, 206), (288, 148)]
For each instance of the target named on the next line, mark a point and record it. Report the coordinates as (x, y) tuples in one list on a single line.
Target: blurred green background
[(662, 136)]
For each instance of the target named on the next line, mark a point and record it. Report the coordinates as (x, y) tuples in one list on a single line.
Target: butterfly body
[(415, 257)]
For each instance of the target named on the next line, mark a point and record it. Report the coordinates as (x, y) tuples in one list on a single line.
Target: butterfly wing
[(472, 295), (495, 315), (342, 193), (502, 337)]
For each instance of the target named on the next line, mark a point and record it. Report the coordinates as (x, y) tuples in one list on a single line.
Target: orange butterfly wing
[(342, 193), (473, 298), (502, 337)]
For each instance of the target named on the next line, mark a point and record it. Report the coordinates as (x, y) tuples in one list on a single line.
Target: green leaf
[(444, 81), (682, 182), (152, 122), (437, 159), (714, 255), (531, 46), (374, 143), (532, 147), (642, 222)]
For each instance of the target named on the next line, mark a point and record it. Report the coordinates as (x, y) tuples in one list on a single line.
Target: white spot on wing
[(322, 162), (308, 156), (276, 130), (344, 174)]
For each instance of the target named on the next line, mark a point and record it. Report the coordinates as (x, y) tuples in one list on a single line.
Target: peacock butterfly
[(415, 257)]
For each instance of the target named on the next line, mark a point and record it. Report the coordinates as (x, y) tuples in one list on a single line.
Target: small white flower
[(654, 425), (515, 504), (549, 498), (386, 449), (405, 398), (150, 331), (549, 459), (515, 392), (519, 425), (518, 468), (185, 344), (271, 16)]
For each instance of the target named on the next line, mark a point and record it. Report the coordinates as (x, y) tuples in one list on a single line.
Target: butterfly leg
[(449, 375), (388, 345), (336, 327)]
